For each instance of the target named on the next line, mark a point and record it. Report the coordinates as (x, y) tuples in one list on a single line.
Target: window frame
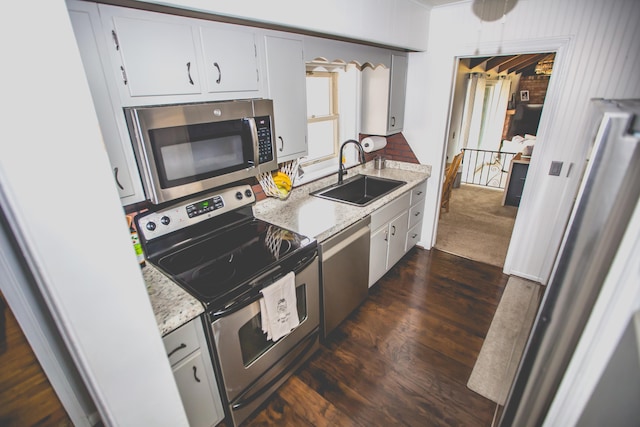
[(333, 116)]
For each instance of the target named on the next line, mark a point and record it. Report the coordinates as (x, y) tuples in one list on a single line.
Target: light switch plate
[(555, 169)]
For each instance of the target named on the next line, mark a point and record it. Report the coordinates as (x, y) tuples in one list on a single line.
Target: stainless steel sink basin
[(359, 190)]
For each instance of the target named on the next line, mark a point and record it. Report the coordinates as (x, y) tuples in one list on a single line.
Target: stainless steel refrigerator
[(605, 202)]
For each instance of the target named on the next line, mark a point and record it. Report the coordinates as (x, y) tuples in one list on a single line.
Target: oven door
[(244, 353)]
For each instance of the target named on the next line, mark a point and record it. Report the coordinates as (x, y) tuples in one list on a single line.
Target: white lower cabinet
[(395, 228), (416, 213), (193, 371), (397, 238), (378, 254)]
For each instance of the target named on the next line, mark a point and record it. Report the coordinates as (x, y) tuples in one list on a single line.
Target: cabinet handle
[(180, 347), (124, 75), (414, 236), (417, 214), (418, 193), (386, 236), (215, 64), (194, 374), (115, 174), (393, 121), (281, 143), (189, 72), (393, 233), (115, 39)]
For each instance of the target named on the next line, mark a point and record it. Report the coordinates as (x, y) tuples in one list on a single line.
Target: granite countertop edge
[(173, 306)]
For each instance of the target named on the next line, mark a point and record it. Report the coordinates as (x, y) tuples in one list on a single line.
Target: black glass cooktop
[(216, 268)]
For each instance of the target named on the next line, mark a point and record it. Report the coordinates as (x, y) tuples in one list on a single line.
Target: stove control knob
[(151, 226), (165, 220), (247, 193), (239, 195)]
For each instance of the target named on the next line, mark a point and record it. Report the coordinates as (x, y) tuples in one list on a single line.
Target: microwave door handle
[(254, 136)]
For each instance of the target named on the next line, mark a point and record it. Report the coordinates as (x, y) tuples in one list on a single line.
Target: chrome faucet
[(341, 169)]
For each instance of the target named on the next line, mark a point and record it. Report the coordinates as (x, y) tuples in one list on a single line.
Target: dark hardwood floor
[(404, 357), (26, 396)]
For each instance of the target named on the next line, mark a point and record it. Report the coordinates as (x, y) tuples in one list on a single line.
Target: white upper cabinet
[(86, 25), (397, 92), (383, 97), (156, 54), (230, 60), (165, 59), (287, 87)]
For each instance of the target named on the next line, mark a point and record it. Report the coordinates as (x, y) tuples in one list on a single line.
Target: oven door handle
[(256, 294), (247, 397)]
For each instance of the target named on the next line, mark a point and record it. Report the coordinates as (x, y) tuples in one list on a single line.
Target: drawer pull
[(195, 376), (189, 73), (180, 347), (215, 64)]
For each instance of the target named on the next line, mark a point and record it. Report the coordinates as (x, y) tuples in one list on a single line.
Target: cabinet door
[(286, 86), (397, 238), (413, 236), (196, 393), (515, 183), (87, 28), (378, 254), (157, 56), (230, 61), (397, 88)]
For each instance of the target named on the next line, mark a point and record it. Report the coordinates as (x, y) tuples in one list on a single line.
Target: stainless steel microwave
[(185, 149)]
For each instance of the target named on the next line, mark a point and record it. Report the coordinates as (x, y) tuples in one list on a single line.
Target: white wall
[(395, 23), (598, 46)]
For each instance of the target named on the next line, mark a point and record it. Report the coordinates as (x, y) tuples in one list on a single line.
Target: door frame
[(561, 46)]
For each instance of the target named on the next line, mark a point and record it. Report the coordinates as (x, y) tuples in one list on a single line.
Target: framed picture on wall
[(524, 95)]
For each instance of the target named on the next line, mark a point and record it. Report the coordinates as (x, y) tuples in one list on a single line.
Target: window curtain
[(472, 111), (494, 112)]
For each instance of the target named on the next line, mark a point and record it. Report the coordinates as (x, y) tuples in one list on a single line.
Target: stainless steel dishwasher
[(345, 270)]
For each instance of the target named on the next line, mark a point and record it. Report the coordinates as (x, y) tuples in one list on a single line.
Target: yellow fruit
[(282, 180)]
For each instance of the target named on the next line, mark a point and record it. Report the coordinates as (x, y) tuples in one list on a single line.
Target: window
[(332, 117), (322, 116)]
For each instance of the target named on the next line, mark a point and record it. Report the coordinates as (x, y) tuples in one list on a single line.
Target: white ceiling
[(437, 2)]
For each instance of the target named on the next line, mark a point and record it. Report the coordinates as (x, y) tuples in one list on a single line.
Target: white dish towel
[(278, 307)]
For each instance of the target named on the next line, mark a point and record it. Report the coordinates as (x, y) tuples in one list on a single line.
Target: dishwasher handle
[(333, 250)]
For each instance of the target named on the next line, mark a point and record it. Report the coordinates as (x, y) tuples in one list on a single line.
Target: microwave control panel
[(265, 146), (159, 223)]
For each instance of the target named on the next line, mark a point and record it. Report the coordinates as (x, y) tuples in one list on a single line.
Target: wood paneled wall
[(599, 56)]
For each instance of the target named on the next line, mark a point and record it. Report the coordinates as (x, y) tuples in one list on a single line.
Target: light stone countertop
[(172, 305), (320, 218), (308, 215)]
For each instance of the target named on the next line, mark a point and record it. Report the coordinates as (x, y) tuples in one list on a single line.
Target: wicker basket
[(269, 186)]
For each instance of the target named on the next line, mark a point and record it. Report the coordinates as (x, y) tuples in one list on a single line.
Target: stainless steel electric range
[(215, 249)]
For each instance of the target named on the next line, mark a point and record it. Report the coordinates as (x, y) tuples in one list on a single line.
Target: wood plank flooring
[(26, 396), (404, 357)]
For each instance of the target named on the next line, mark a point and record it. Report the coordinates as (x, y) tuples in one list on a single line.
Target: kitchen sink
[(359, 190)]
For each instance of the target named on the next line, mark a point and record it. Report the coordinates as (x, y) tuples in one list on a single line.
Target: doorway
[(496, 108)]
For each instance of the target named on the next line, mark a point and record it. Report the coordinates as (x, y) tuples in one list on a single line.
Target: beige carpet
[(477, 226), (504, 344)]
